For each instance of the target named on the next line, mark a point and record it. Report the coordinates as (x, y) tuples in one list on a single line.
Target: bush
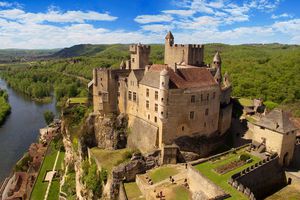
[(244, 157), (48, 116)]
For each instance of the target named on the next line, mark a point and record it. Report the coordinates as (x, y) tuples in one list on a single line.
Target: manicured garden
[(40, 186), (208, 169)]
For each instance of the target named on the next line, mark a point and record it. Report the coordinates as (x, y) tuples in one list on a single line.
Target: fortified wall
[(261, 179)]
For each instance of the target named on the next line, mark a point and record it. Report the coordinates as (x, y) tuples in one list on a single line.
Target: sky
[(48, 24)]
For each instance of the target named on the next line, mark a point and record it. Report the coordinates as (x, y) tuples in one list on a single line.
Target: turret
[(163, 93), (123, 65), (217, 62), (169, 39)]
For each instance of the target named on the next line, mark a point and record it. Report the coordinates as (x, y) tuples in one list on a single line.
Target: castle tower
[(217, 62), (169, 39), (123, 65), (163, 94), (139, 56)]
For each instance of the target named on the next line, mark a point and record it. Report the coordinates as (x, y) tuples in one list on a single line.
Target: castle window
[(118, 94), (204, 124), (193, 99), (156, 95), (134, 96), (214, 95), (182, 128), (129, 95), (147, 104), (155, 119), (156, 107), (147, 92), (149, 117), (192, 115), (206, 111), (207, 97), (132, 59)]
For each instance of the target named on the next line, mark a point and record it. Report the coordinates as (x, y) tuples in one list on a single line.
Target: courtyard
[(209, 169)]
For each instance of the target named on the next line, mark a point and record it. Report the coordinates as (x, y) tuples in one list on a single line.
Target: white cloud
[(5, 4), (157, 28), (55, 16), (145, 19), (180, 12), (283, 15)]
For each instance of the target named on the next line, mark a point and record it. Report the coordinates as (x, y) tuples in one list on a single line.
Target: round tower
[(163, 93)]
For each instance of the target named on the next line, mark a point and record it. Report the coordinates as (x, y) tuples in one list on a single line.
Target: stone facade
[(182, 97), (277, 133)]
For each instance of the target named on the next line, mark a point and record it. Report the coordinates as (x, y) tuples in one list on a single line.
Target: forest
[(4, 106), (268, 71)]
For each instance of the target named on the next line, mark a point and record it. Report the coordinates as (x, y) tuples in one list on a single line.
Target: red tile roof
[(187, 77)]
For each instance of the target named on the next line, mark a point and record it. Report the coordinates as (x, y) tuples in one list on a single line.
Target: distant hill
[(19, 55), (80, 50)]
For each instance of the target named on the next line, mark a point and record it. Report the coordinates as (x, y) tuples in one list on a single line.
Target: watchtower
[(139, 56)]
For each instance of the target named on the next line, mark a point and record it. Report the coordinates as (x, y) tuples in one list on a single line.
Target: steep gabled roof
[(183, 78), (277, 120)]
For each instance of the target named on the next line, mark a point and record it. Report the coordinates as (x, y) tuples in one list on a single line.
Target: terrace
[(220, 169)]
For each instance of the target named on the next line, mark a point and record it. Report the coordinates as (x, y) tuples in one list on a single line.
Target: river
[(20, 129)]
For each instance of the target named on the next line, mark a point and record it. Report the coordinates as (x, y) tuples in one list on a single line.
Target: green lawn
[(245, 102), (162, 173), (207, 169), (78, 100), (180, 193), (290, 192), (110, 158), (133, 192), (40, 187)]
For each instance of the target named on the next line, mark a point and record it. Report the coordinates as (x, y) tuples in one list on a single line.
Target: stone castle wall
[(261, 179), (142, 135), (190, 54), (207, 190)]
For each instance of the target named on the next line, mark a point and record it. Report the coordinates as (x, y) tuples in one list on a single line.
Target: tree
[(48, 116)]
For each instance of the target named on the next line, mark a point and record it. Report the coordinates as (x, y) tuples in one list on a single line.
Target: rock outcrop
[(110, 131)]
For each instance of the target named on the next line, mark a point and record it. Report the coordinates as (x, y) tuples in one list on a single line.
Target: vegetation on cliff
[(4, 105)]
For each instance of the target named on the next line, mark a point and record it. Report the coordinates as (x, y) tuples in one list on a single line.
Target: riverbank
[(21, 127), (29, 167), (4, 106)]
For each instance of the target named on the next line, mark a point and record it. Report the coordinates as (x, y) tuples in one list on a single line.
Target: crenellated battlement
[(134, 48)]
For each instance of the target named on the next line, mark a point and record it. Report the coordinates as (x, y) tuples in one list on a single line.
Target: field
[(110, 158), (40, 186), (207, 169)]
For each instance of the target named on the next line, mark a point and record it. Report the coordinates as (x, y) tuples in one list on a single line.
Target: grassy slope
[(109, 158), (206, 169)]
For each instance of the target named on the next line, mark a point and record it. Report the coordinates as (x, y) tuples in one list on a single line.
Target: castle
[(183, 97)]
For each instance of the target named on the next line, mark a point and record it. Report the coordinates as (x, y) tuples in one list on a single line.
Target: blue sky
[(55, 24)]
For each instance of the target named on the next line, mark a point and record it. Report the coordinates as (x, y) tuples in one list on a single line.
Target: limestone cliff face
[(110, 131)]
